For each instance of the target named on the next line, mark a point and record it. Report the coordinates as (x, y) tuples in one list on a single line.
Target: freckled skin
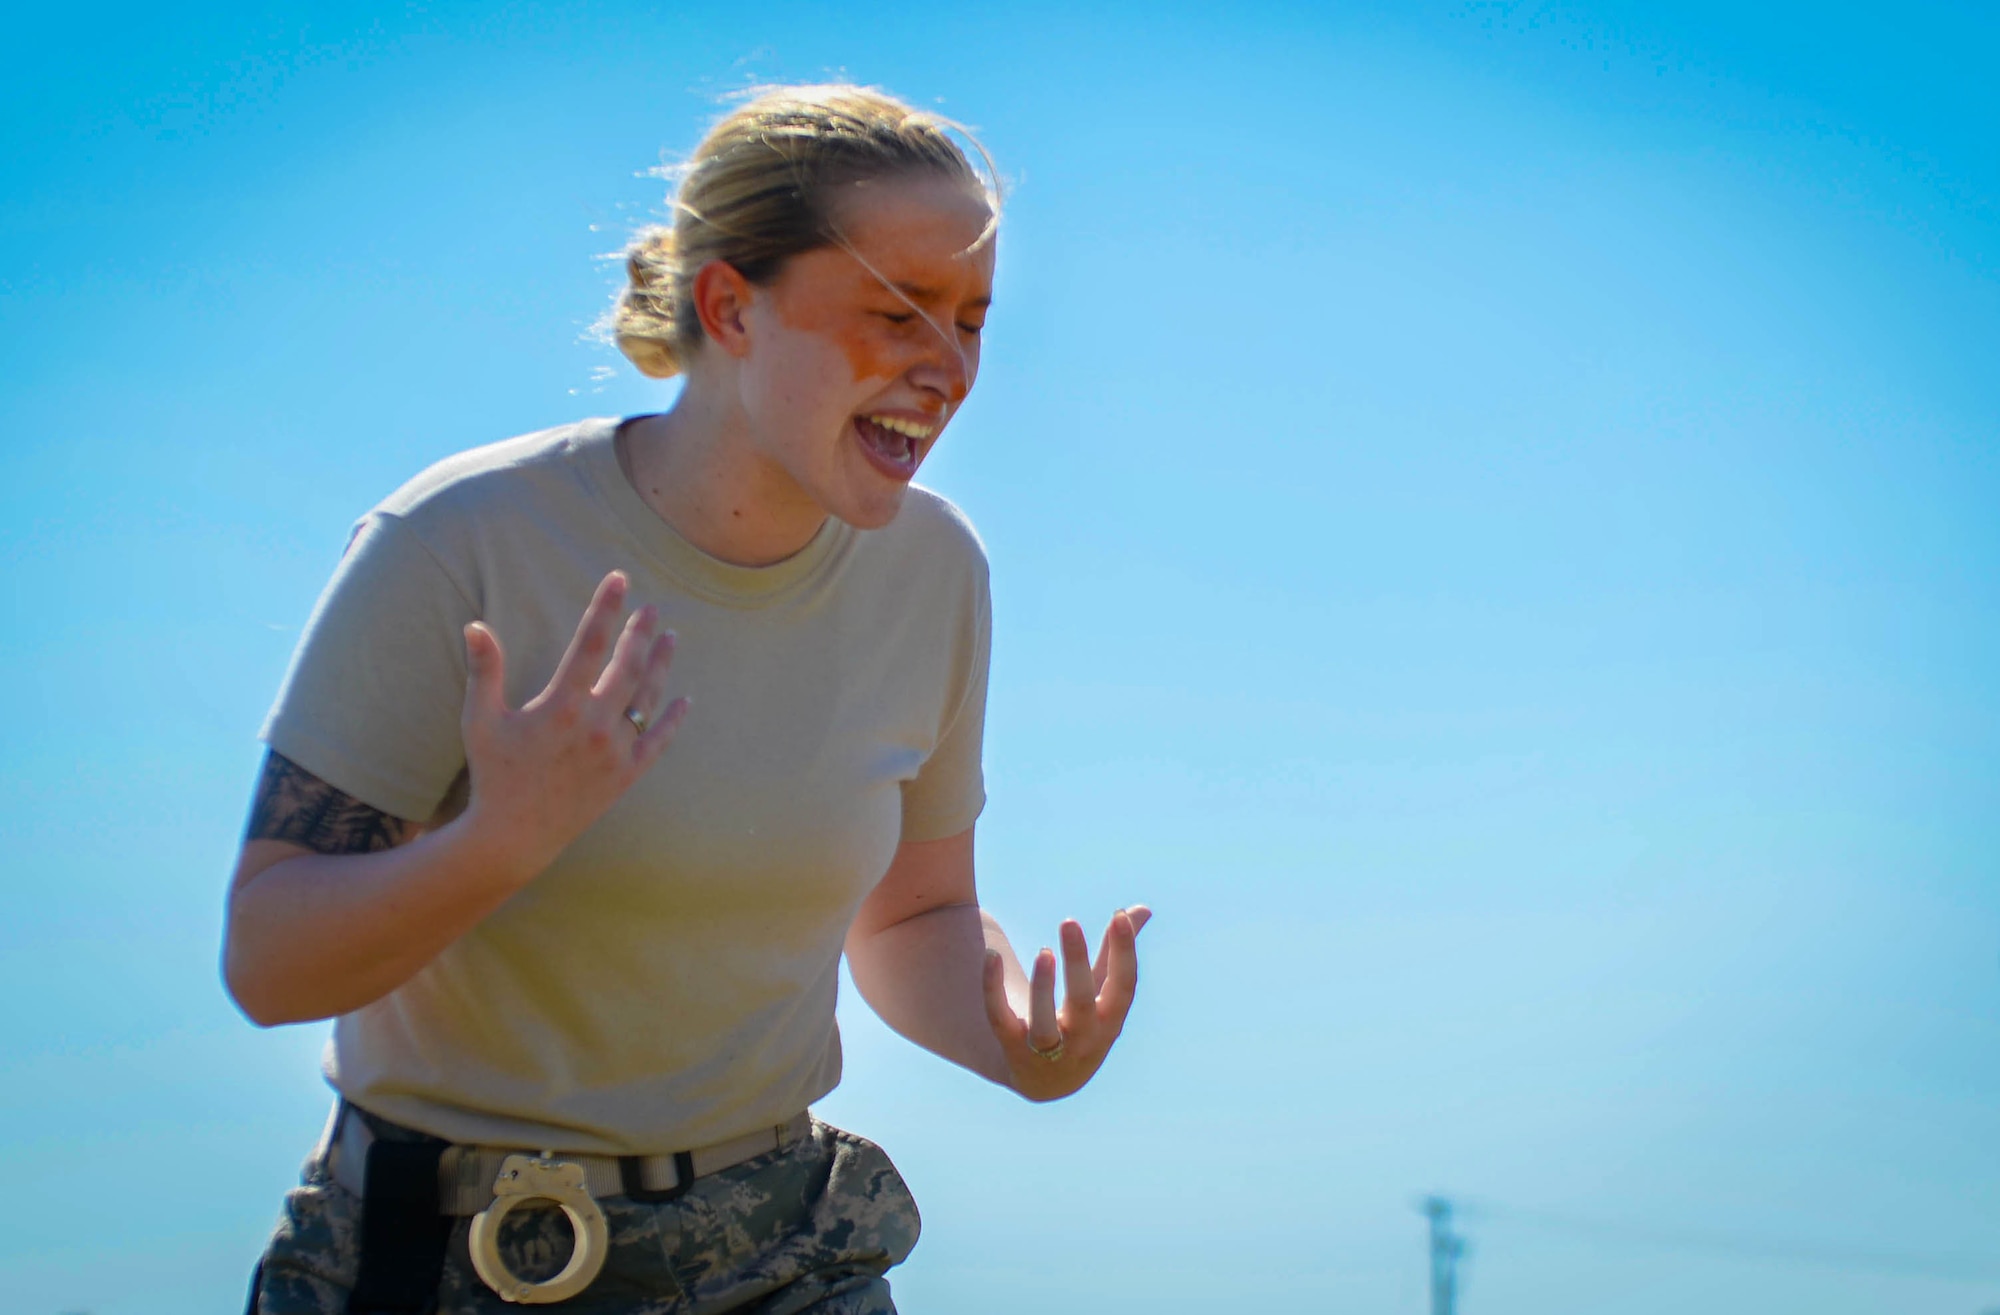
[(834, 342), (874, 348)]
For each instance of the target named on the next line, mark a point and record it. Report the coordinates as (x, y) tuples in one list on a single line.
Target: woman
[(576, 891)]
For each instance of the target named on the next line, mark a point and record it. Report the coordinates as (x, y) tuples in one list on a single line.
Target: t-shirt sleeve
[(372, 700), (949, 790)]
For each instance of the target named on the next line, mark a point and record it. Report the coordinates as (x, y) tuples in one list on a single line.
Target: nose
[(947, 368)]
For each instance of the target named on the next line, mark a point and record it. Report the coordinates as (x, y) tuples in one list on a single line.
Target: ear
[(721, 298)]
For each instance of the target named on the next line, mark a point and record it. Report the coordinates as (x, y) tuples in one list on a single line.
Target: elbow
[(246, 987), (261, 1017), (245, 994), (252, 992)]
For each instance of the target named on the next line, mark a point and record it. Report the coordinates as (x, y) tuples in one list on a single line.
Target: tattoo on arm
[(294, 805)]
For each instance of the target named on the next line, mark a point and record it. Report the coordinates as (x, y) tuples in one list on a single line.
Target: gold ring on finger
[(1052, 1054), (637, 718)]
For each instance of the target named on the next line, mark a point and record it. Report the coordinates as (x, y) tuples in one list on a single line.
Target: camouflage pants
[(808, 1230)]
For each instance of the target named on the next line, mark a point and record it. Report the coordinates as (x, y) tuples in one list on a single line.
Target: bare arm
[(938, 969), (335, 904), (917, 950)]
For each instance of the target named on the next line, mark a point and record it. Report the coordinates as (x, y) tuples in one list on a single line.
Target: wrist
[(486, 847)]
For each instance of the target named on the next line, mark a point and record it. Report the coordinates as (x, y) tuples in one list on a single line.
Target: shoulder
[(933, 527), (483, 479), (927, 562)]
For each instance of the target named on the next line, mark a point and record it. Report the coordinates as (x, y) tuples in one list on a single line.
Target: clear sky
[(1495, 512)]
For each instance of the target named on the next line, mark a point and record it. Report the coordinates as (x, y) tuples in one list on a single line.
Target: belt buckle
[(543, 1177)]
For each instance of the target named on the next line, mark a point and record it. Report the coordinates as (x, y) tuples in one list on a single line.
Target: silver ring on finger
[(1052, 1054), (638, 719)]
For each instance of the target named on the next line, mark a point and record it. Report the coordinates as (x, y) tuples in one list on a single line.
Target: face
[(858, 356)]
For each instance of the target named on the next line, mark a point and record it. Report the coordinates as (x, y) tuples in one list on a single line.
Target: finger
[(661, 733), (485, 673), (1139, 915), (584, 657), (1006, 1024), (652, 688), (1079, 985), (627, 666), (1121, 976), (1043, 1030)]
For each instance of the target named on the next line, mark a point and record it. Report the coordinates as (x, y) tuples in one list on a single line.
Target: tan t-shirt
[(670, 980)]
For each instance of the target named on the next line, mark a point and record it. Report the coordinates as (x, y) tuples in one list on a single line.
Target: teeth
[(907, 428)]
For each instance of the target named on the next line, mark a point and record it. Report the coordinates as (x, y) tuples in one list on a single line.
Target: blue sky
[(1494, 536)]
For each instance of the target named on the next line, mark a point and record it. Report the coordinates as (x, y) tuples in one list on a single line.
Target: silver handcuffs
[(543, 1177)]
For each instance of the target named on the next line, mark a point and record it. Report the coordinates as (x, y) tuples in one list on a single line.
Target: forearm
[(924, 976), (315, 935)]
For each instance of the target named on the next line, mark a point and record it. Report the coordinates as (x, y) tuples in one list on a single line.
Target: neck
[(696, 467)]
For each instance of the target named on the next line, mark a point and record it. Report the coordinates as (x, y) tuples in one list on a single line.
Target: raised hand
[(1053, 1051), (544, 772)]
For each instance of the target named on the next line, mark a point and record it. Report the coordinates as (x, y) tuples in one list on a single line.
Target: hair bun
[(644, 322)]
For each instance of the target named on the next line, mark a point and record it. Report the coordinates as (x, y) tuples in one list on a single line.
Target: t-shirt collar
[(710, 576)]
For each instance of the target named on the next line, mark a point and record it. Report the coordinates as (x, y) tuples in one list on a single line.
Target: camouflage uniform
[(808, 1230)]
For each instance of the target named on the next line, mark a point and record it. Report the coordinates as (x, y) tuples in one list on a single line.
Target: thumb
[(485, 673), (1000, 1015)]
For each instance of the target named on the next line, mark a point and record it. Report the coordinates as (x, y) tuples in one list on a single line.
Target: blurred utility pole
[(1446, 1249)]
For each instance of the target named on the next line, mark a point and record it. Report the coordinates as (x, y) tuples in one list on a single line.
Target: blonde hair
[(760, 190)]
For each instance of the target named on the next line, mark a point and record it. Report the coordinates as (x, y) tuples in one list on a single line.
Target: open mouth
[(894, 445)]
